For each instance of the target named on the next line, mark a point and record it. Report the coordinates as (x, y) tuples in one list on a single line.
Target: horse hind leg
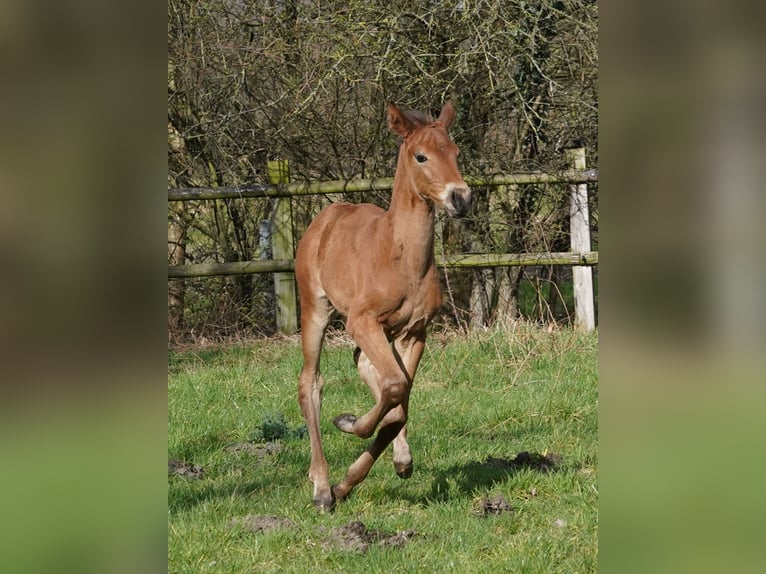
[(408, 353), (402, 456)]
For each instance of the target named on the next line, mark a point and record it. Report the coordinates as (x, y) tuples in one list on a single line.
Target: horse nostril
[(461, 200), (457, 201)]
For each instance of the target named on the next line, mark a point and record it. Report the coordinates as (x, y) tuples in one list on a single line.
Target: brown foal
[(376, 268)]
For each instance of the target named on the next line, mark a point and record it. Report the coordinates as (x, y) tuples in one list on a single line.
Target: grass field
[(478, 401)]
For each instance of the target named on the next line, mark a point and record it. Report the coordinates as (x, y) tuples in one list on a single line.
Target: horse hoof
[(345, 422), (339, 492), (403, 470), (324, 503)]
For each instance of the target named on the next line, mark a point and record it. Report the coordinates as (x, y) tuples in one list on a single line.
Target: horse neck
[(412, 223)]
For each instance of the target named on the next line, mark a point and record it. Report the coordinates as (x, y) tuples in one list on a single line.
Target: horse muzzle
[(458, 200)]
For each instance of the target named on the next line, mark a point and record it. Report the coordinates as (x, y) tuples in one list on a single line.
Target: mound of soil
[(261, 450), (181, 468), (356, 537), (493, 505)]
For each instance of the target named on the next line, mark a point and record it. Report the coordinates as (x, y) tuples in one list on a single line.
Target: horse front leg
[(390, 427), (310, 399), (388, 381), (390, 385), (402, 457), (314, 318)]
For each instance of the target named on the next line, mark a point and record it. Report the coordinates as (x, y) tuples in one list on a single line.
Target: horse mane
[(419, 118)]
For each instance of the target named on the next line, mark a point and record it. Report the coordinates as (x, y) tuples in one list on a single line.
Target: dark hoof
[(403, 470), (325, 503), (345, 422), (338, 493)]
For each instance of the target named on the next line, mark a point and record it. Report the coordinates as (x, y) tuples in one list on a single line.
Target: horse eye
[(421, 158)]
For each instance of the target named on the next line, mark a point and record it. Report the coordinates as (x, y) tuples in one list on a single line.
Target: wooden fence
[(581, 258)]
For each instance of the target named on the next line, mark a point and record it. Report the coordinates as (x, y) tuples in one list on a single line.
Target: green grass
[(491, 394)]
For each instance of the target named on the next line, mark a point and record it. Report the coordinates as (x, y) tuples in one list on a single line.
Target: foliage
[(273, 427), (308, 82)]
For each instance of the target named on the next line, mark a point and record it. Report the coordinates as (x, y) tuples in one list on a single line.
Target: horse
[(376, 268)]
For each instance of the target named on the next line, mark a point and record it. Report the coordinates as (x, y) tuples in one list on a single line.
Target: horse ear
[(398, 122), (447, 115)]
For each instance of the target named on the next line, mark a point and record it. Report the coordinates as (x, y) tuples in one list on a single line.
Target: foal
[(377, 269)]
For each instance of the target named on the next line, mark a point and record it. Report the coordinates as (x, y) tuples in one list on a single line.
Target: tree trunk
[(507, 308), (482, 291)]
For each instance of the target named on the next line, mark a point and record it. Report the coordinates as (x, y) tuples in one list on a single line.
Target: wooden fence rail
[(462, 260), (581, 257), (360, 185)]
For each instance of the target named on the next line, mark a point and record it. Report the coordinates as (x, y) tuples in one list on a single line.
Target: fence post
[(283, 247), (579, 229)]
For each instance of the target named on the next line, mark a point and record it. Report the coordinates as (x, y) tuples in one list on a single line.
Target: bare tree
[(307, 81)]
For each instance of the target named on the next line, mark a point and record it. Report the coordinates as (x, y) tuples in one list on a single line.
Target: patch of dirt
[(356, 537), (536, 461), (181, 468), (353, 537), (261, 523), (257, 450), (493, 505)]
